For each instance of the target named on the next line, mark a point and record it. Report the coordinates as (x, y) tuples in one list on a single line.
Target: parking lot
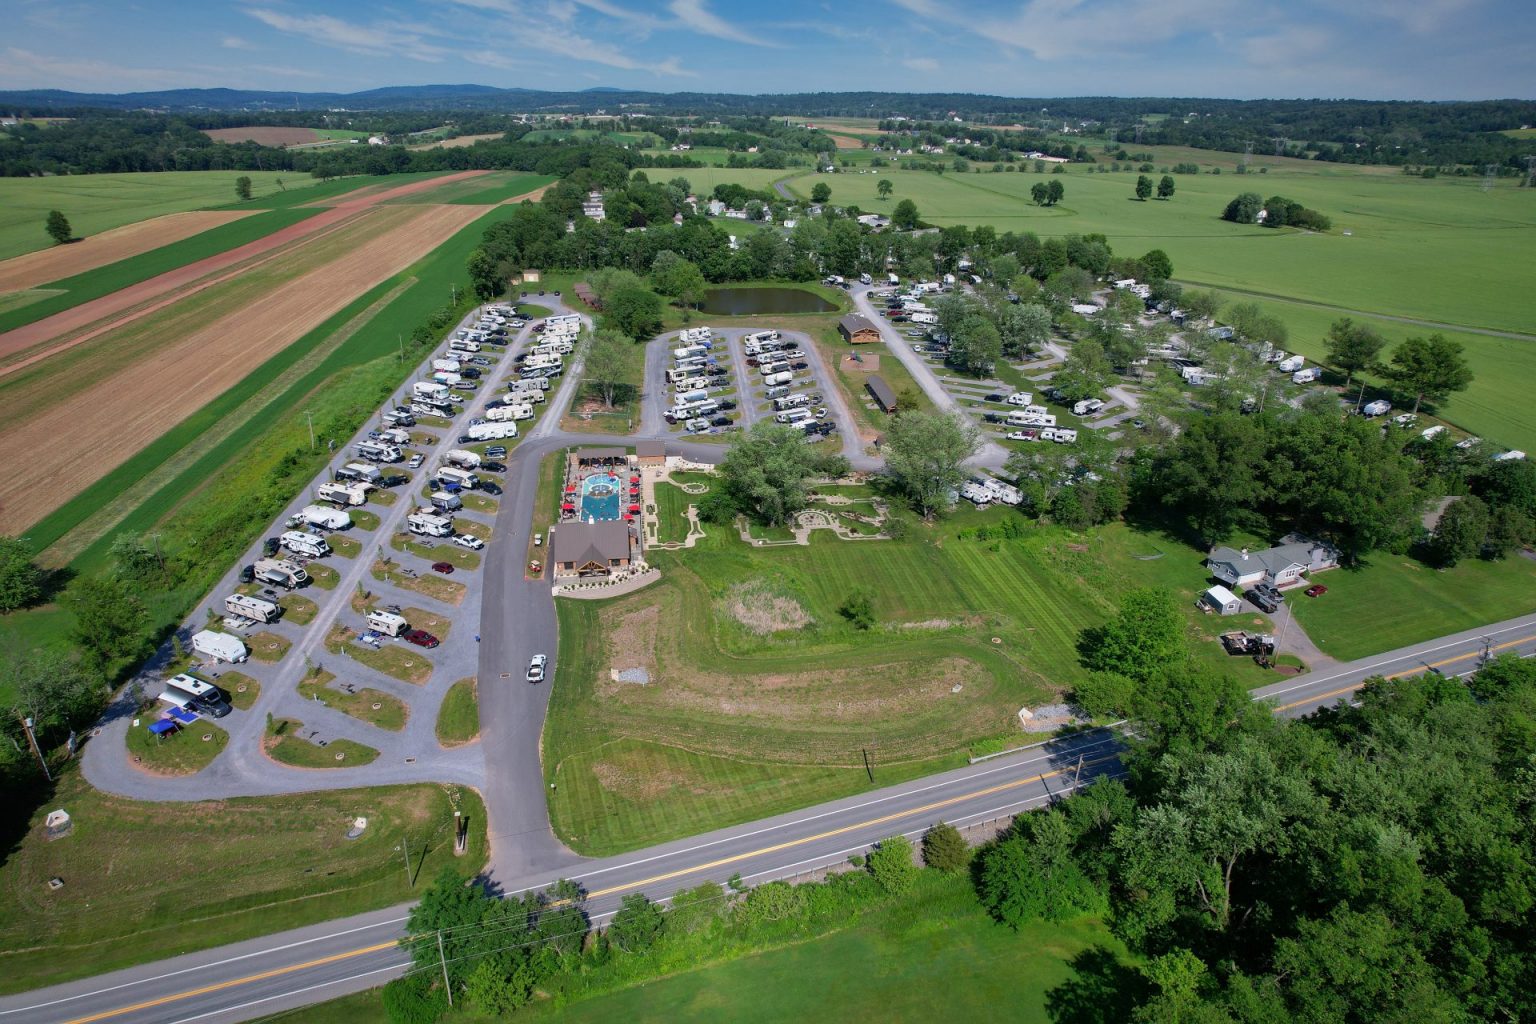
[(359, 609)]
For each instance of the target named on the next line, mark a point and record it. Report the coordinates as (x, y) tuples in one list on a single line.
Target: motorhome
[(1291, 364), (776, 379), (363, 471), (768, 369), (430, 391), (684, 372), (793, 416), (397, 418), (393, 435), (464, 345), (305, 544), (491, 431), (387, 623), (219, 646), (423, 409), (451, 478), (445, 502), (427, 525), (343, 494), (463, 459), (376, 451), (258, 609), (319, 515), (1026, 418), (280, 572), (1307, 376), (203, 697)]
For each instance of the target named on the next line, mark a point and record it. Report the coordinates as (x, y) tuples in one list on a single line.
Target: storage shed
[(1221, 601), (881, 392)]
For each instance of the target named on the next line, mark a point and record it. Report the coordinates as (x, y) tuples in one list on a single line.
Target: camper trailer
[(463, 459), (219, 646), (258, 609), (387, 623), (1306, 376), (306, 544), (319, 515), (376, 451), (280, 572), (427, 525), (343, 494)]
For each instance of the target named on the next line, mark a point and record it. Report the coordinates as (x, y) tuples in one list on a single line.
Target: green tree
[(765, 472), (54, 688), (1039, 193), (1244, 209), (607, 365), (884, 188), (680, 278), (135, 561), (58, 227), (1352, 347), (892, 865), (21, 580), (243, 187), (1432, 368), (1085, 373), (1165, 187), (1143, 187), (1144, 637), (821, 192), (1200, 305), (1031, 875), (1024, 327), (111, 623), (1461, 531), (483, 275), (925, 454), (905, 216), (637, 925), (1055, 191), (633, 311), (1214, 474), (859, 609), (1158, 266), (975, 345), (945, 849)]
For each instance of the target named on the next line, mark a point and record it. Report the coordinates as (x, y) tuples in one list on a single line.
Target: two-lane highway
[(308, 965)]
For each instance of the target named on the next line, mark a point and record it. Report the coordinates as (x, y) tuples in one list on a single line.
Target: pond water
[(747, 301)]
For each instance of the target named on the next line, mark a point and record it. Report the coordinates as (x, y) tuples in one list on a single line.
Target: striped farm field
[(97, 413)]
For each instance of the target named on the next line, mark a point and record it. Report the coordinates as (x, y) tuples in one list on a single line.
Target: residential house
[(1283, 565)]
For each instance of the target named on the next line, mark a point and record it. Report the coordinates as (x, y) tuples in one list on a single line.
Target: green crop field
[(95, 202), (501, 186), (244, 868), (704, 179)]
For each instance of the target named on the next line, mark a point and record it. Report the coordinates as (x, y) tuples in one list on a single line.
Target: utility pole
[(443, 959), (405, 849), (310, 416), (1530, 171), (26, 725)]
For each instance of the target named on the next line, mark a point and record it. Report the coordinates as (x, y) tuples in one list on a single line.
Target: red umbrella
[(634, 508), (569, 488), (634, 479), (568, 507)]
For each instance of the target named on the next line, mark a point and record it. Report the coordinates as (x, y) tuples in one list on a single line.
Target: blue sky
[(1371, 49)]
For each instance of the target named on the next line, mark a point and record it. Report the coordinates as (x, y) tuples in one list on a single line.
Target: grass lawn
[(324, 576), (428, 584), (496, 187), (346, 547), (474, 501), (242, 689), (373, 706), (245, 868), (1394, 600), (458, 719), (283, 744), (363, 519), (435, 622), (300, 611), (393, 659), (268, 647), (96, 202), (461, 558), (181, 753), (671, 510)]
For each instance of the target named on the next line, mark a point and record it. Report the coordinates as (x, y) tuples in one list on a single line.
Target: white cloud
[(925, 64), (603, 7), (236, 43), (382, 39), (25, 69), (692, 14)]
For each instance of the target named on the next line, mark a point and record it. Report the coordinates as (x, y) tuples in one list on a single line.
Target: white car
[(415, 461), (464, 540), (536, 668), (538, 540)]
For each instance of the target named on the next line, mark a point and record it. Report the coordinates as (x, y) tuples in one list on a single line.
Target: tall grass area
[(97, 202), (212, 509)]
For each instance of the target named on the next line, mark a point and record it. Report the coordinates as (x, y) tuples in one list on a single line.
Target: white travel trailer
[(387, 623), (305, 544), (319, 515), (219, 646), (256, 608), (427, 525)]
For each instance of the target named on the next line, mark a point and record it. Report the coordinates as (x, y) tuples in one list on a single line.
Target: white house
[(1221, 601), (1283, 565)]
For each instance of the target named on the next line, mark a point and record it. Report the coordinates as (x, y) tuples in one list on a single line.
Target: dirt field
[(265, 135), (456, 142), (532, 197), (846, 141), (63, 330), (93, 430), (62, 261)]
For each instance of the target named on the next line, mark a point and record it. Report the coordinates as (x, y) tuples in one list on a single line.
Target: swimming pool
[(600, 497)]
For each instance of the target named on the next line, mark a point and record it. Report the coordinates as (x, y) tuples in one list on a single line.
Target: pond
[(747, 301)]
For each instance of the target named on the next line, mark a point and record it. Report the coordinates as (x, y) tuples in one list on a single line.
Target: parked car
[(538, 540), (536, 666), (394, 480), (270, 545), (421, 638), (1316, 590), (466, 439), (490, 488), (446, 568), (721, 421), (996, 396), (726, 405), (248, 574), (800, 366), (464, 540), (415, 461), (492, 467), (496, 451)]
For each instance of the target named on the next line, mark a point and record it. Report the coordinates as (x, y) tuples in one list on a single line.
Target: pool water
[(601, 495)]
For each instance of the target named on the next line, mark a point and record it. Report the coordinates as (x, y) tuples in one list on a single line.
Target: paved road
[(263, 976)]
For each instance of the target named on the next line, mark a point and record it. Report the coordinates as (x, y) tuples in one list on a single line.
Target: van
[(864, 279)]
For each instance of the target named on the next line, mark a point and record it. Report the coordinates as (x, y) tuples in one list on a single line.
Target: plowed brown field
[(69, 327), (62, 261), (265, 135), (88, 433)]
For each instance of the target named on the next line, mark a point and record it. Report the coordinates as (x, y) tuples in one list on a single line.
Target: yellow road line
[(1405, 672), (149, 1004)]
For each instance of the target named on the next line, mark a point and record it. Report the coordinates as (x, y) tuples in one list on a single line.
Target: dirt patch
[(761, 611), (62, 261), (96, 429), (845, 141), (457, 142), (632, 647), (264, 135), (531, 197)]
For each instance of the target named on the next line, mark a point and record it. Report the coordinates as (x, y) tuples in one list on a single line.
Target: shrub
[(892, 865), (945, 849), (414, 1000)]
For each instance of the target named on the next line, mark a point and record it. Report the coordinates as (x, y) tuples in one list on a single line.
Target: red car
[(421, 638), (1316, 591), (446, 568)]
